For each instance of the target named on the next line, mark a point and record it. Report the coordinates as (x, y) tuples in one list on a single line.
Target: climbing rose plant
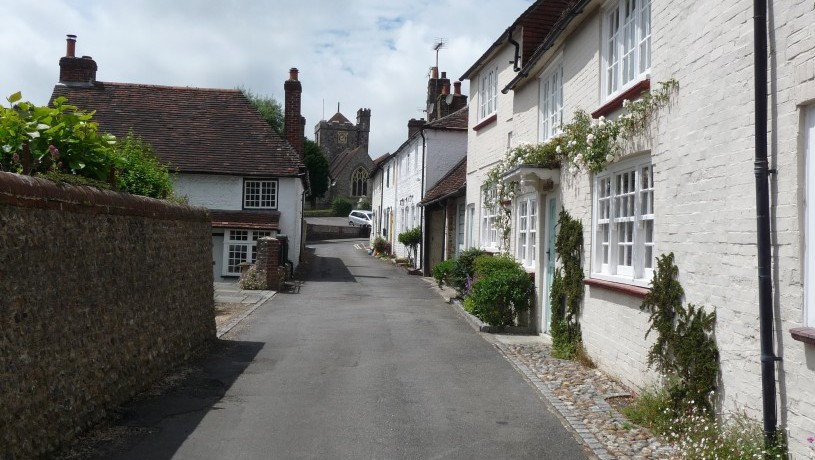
[(584, 144)]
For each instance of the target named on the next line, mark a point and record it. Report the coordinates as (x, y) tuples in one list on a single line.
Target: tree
[(317, 166), (268, 108)]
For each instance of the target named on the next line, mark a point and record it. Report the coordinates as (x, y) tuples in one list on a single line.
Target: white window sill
[(638, 287)]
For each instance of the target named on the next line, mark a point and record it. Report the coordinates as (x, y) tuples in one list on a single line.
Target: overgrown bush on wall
[(501, 291), (566, 294), (64, 144)]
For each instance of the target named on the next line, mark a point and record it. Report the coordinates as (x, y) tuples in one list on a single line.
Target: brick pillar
[(268, 261), (294, 123)]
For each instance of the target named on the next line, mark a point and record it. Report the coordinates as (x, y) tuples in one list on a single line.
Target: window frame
[(809, 217), (609, 244), (616, 50), (248, 246), (359, 182), (549, 78), (262, 182), (489, 233), (487, 93), (526, 230)]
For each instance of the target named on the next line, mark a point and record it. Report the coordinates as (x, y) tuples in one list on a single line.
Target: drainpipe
[(762, 171), (425, 239), (517, 46)]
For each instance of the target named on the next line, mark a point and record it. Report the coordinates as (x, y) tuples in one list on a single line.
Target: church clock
[(342, 137)]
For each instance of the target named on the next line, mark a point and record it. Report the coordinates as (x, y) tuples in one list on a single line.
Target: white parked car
[(360, 217)]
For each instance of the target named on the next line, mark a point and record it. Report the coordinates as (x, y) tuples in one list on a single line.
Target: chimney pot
[(71, 46), (444, 75), (457, 88), (434, 72), (445, 89), (293, 73)]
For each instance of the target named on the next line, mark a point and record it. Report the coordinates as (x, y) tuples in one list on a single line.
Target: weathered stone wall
[(100, 294)]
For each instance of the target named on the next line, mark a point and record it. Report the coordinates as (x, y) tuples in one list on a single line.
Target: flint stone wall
[(100, 294)]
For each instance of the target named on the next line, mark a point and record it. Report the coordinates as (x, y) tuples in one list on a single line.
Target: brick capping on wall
[(803, 334), (635, 291), (486, 122), (617, 102), (34, 192)]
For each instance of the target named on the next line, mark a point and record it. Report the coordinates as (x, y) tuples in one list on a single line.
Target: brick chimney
[(294, 123), (435, 86), (414, 126), (74, 71)]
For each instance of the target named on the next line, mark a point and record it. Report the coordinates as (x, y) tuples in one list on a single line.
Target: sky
[(358, 53)]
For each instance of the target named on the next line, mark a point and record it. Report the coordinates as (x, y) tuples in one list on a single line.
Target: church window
[(359, 182)]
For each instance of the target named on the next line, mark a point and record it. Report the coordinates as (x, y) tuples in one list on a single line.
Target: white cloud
[(362, 53)]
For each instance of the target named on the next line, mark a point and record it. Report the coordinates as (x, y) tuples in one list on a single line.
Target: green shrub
[(341, 207), (463, 270), (380, 244), (366, 205), (411, 239), (501, 291), (441, 271), (140, 171)]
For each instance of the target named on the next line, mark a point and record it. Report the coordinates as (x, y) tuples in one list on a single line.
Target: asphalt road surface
[(366, 362)]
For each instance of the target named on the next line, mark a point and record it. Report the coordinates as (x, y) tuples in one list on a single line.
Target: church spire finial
[(338, 106)]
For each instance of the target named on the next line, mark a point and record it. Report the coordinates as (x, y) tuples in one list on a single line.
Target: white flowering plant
[(584, 144)]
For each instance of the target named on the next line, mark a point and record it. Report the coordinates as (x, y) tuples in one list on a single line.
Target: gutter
[(424, 267), (762, 173), (550, 39)]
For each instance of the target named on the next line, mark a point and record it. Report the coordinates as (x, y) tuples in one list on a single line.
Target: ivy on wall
[(684, 351), (567, 288)]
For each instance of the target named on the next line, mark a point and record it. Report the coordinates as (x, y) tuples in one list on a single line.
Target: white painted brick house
[(693, 180)]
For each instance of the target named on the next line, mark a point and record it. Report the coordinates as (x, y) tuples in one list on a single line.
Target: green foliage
[(582, 144), (268, 108), (566, 294), (66, 146), (411, 239), (366, 205), (441, 271), (464, 269), (380, 245), (341, 207), (317, 167), (696, 435), (501, 291), (684, 350), (60, 138), (140, 171)]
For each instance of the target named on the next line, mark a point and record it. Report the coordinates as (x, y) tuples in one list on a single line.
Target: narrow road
[(365, 362)]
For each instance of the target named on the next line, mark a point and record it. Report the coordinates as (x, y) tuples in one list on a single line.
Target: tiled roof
[(536, 23), (378, 162), (453, 183), (195, 130), (456, 120), (254, 220), (338, 118), (566, 16), (340, 161)]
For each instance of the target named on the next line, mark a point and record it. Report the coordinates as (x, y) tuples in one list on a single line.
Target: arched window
[(359, 182)]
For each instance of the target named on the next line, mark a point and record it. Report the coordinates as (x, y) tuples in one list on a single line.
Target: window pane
[(237, 255)]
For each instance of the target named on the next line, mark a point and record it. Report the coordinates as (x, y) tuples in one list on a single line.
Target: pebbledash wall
[(100, 294)]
